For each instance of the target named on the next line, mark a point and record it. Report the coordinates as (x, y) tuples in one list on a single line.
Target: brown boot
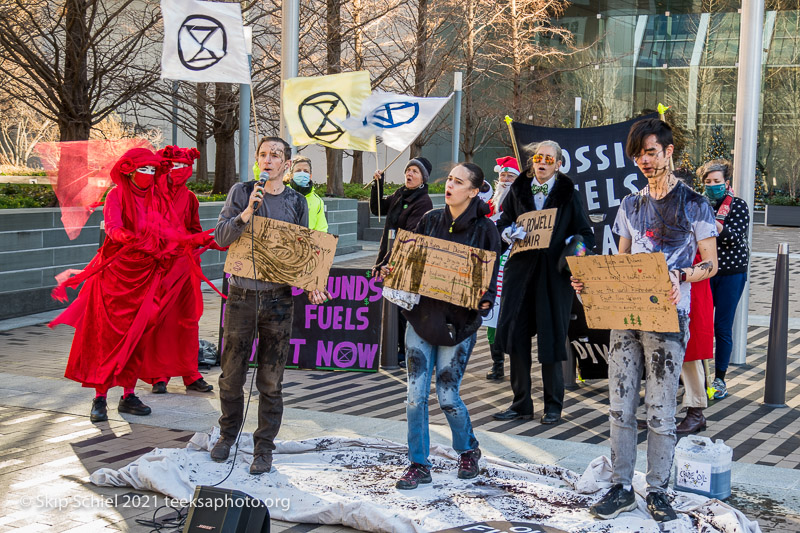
[(694, 422)]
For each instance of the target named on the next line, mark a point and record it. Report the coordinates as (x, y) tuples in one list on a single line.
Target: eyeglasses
[(548, 159), (650, 154)]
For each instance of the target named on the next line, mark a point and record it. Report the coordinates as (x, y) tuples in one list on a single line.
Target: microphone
[(262, 180)]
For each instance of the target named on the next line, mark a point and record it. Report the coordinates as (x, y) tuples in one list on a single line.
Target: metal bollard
[(775, 381), (389, 330)]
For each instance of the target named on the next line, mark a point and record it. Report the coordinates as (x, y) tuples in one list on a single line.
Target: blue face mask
[(302, 179), (716, 192)]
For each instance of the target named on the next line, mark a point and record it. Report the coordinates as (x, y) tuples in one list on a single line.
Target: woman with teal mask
[(733, 220)]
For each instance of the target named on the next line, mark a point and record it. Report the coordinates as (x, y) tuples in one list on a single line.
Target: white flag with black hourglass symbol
[(204, 42)]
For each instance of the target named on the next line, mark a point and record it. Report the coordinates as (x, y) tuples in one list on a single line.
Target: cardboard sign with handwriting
[(440, 269), (626, 291), (284, 253), (538, 226)]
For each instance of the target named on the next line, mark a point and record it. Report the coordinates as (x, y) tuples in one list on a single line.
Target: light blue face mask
[(716, 192), (302, 179)]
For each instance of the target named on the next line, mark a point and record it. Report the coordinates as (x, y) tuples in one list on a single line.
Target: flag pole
[(387, 166), (508, 121), (378, 169)]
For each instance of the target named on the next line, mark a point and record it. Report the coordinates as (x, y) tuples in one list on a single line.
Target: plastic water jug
[(703, 466)]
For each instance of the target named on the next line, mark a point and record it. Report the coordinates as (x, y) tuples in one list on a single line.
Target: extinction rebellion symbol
[(202, 42), (393, 115), (316, 113)]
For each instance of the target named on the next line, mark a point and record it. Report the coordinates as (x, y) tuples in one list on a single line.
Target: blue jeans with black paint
[(449, 362), (726, 291)]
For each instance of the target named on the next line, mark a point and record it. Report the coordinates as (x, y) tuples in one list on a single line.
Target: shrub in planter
[(782, 199)]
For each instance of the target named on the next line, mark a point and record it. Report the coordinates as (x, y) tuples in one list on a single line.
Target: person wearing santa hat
[(176, 336), (507, 170)]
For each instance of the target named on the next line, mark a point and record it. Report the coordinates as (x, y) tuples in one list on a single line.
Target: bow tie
[(539, 189)]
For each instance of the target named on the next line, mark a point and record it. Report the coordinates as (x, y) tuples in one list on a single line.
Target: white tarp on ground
[(339, 480)]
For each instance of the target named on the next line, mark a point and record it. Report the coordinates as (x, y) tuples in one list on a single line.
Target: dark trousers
[(274, 329), (401, 335), (726, 291), (552, 379)]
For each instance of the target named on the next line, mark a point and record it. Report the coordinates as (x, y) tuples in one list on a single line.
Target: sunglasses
[(548, 159)]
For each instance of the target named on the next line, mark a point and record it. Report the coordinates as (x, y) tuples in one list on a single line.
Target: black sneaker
[(413, 476), (99, 411), (468, 464), (659, 507), (160, 387), (132, 405), (617, 500), (200, 385)]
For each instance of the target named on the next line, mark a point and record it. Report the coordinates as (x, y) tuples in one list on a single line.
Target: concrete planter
[(34, 248), (782, 215)]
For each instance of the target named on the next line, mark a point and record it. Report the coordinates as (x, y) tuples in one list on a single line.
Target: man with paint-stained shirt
[(257, 307), (665, 216)]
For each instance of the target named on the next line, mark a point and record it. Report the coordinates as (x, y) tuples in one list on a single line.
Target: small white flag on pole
[(396, 118), (204, 42)]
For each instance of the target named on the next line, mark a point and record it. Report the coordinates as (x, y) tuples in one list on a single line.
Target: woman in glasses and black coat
[(537, 295)]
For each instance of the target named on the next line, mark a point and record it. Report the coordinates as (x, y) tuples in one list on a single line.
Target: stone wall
[(34, 248)]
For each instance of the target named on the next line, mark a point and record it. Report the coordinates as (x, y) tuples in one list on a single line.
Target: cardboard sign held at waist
[(538, 226), (440, 269), (284, 253), (626, 292)]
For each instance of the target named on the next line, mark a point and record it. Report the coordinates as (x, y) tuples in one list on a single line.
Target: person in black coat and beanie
[(538, 296), (441, 335), (403, 210)]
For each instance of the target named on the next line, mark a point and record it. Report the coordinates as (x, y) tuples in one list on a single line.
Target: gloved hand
[(512, 233), (123, 236)]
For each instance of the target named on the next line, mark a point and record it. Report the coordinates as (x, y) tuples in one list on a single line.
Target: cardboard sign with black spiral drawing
[(284, 253), (440, 269)]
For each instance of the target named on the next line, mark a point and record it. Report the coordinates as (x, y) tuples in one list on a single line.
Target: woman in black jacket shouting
[(403, 209), (440, 335)]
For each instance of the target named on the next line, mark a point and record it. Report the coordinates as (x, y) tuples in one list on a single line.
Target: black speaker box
[(216, 510)]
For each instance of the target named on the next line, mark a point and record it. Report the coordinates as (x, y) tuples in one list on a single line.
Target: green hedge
[(24, 195), (782, 199), (351, 190)]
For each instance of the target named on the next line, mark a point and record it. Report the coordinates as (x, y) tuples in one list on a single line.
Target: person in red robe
[(699, 348), (175, 338), (117, 303)]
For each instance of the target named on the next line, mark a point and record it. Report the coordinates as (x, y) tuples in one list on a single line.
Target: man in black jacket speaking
[(539, 296)]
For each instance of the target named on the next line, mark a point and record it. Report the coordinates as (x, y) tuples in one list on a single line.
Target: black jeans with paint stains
[(661, 354), (274, 330)]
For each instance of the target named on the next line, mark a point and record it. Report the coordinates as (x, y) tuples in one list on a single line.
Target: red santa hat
[(176, 154), (507, 164)]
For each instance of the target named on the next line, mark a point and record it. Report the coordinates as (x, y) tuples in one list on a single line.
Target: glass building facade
[(684, 55)]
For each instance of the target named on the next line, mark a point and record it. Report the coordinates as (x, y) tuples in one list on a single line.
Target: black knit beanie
[(424, 167)]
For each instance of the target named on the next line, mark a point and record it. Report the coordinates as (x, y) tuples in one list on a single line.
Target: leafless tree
[(81, 59)]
